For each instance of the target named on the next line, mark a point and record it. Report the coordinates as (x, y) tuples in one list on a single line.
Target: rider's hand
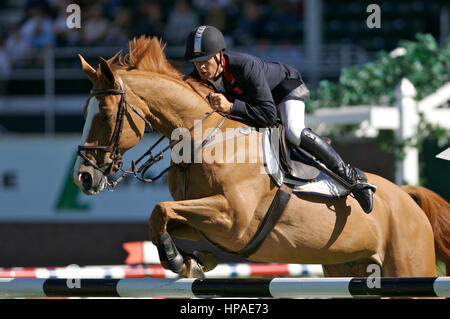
[(220, 102)]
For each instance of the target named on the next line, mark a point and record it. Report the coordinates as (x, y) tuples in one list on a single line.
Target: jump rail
[(238, 270), (207, 288)]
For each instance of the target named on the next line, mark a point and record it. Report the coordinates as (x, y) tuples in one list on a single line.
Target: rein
[(113, 146), (153, 159)]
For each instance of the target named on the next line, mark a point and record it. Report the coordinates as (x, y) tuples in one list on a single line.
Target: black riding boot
[(323, 151)]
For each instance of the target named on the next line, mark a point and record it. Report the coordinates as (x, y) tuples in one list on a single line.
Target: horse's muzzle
[(90, 180)]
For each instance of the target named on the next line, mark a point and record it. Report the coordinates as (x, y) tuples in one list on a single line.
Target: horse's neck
[(168, 104)]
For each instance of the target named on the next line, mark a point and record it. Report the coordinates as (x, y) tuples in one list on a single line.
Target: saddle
[(294, 164), (293, 167), (288, 165)]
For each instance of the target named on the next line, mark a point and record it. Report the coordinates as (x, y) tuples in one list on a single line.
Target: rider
[(260, 91)]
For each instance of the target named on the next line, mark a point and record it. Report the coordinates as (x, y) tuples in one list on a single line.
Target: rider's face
[(208, 69)]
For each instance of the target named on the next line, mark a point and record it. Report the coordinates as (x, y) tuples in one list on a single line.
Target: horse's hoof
[(195, 270), (207, 259)]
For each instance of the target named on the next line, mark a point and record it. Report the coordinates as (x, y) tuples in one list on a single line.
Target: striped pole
[(239, 270), (208, 288)]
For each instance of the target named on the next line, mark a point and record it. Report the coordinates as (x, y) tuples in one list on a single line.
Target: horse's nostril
[(86, 180)]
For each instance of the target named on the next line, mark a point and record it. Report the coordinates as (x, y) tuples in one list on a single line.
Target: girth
[(272, 217)]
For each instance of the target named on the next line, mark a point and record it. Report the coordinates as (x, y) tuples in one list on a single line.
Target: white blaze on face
[(92, 110)]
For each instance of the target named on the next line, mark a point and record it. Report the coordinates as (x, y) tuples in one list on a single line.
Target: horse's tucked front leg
[(195, 213), (169, 255)]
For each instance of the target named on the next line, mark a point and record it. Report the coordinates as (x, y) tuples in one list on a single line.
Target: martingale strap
[(140, 172)]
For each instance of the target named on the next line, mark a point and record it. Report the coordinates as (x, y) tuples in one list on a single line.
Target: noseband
[(113, 146)]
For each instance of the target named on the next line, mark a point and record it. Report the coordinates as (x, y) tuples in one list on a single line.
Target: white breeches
[(292, 113)]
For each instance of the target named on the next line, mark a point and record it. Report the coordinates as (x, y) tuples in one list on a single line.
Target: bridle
[(113, 146)]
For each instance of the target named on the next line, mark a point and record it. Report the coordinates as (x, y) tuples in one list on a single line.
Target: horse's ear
[(106, 71), (88, 70)]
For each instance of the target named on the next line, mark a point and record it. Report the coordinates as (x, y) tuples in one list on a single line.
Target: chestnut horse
[(226, 202)]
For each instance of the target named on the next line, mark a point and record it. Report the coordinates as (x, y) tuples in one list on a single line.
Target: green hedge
[(425, 64)]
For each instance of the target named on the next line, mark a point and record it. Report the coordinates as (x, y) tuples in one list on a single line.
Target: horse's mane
[(147, 54)]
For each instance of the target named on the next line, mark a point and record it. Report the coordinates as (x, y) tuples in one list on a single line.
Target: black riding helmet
[(203, 43)]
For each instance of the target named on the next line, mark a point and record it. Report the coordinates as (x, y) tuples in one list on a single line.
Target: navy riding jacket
[(255, 86)]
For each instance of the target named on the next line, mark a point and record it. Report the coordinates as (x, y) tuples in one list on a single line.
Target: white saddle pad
[(320, 184)]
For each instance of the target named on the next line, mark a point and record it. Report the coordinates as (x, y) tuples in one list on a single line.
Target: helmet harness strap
[(222, 66)]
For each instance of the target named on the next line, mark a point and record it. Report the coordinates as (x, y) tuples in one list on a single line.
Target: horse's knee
[(160, 211), (158, 221)]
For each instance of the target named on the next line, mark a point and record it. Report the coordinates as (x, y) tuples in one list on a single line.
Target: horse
[(226, 202)]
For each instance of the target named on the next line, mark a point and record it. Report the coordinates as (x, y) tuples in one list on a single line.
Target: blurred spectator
[(38, 30), (17, 48), (287, 53), (148, 19), (299, 7), (119, 29), (182, 19), (94, 26), (5, 66), (112, 7), (263, 49), (284, 52), (202, 7), (250, 26), (64, 36), (208, 4), (114, 22), (31, 4), (282, 23), (215, 16)]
